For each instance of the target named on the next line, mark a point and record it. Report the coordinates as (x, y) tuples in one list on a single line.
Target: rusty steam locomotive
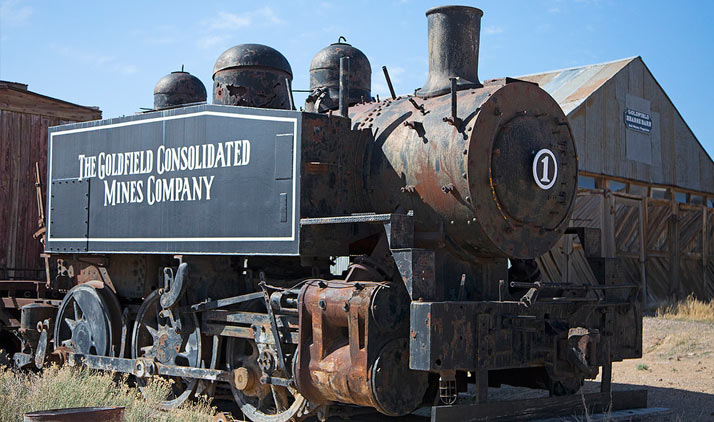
[(197, 242)]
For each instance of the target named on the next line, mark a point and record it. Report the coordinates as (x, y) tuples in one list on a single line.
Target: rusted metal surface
[(145, 368), (89, 320), (31, 323), (324, 77), (178, 88), (426, 196), (454, 33), (348, 330), (492, 206), (88, 414), (252, 75)]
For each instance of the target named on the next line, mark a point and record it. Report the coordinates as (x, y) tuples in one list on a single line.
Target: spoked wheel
[(260, 402), (170, 341), (89, 321)]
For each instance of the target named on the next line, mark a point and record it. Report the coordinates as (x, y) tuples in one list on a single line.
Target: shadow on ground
[(686, 405)]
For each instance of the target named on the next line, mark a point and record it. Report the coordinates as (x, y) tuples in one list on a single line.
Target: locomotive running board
[(538, 408), (144, 367)]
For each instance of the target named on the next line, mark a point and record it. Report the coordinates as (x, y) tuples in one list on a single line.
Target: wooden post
[(643, 248), (481, 375), (674, 250), (606, 380)]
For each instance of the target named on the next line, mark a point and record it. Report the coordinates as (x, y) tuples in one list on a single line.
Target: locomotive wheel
[(170, 342), (89, 321), (260, 402)]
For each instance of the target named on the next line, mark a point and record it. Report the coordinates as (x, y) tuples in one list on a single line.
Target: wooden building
[(24, 119), (645, 181)]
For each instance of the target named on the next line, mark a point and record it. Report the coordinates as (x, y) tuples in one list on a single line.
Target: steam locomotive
[(201, 242)]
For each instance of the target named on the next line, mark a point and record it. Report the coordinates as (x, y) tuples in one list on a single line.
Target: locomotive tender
[(195, 242)]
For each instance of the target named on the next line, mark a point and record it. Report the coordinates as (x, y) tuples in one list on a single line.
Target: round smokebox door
[(524, 171)]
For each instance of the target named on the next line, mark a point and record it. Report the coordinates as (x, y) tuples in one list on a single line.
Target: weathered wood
[(23, 142), (28, 102), (628, 237), (525, 410), (666, 246)]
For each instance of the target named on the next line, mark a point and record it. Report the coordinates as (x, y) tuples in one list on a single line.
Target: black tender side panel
[(206, 179)]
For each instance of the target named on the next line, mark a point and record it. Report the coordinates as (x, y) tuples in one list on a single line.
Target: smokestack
[(453, 49)]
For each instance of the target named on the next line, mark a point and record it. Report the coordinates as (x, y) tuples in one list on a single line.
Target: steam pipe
[(389, 82)]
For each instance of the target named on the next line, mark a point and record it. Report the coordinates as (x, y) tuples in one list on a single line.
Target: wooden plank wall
[(566, 261), (23, 142), (678, 159), (667, 247)]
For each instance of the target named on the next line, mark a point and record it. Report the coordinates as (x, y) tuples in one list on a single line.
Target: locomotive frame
[(428, 195)]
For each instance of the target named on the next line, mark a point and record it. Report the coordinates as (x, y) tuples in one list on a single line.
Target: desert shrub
[(690, 308), (65, 387)]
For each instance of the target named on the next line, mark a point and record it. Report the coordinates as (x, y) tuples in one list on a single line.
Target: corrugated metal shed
[(665, 243), (596, 99), (24, 119)]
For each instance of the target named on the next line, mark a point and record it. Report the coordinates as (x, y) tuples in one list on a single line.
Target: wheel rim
[(89, 321), (155, 337), (259, 402)]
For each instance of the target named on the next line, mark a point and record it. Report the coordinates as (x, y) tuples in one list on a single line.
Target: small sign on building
[(638, 120)]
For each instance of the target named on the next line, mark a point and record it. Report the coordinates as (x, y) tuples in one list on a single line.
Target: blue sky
[(110, 54)]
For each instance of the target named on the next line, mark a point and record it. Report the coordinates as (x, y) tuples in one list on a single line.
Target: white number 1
[(545, 179)]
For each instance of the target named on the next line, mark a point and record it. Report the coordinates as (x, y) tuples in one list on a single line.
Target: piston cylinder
[(354, 347), (30, 316)]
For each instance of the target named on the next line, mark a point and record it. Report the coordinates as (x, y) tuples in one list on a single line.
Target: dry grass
[(58, 388), (689, 309)]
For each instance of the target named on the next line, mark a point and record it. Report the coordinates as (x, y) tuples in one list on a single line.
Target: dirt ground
[(677, 368)]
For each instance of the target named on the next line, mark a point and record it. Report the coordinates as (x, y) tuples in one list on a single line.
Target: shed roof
[(595, 97), (571, 87), (15, 97)]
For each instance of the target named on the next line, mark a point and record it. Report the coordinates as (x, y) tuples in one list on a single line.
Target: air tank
[(178, 88), (252, 75)]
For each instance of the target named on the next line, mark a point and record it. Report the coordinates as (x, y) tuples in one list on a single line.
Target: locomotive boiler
[(198, 242)]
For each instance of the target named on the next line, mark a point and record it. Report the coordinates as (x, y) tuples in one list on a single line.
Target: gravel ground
[(677, 368)]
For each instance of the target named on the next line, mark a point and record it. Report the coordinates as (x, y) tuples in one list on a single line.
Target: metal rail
[(360, 218), (145, 367)]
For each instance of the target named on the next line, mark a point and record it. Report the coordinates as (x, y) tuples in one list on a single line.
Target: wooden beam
[(526, 410)]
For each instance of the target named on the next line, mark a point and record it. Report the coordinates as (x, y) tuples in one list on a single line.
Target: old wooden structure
[(24, 119), (644, 180)]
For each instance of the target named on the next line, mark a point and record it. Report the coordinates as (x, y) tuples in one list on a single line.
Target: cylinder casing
[(354, 347)]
